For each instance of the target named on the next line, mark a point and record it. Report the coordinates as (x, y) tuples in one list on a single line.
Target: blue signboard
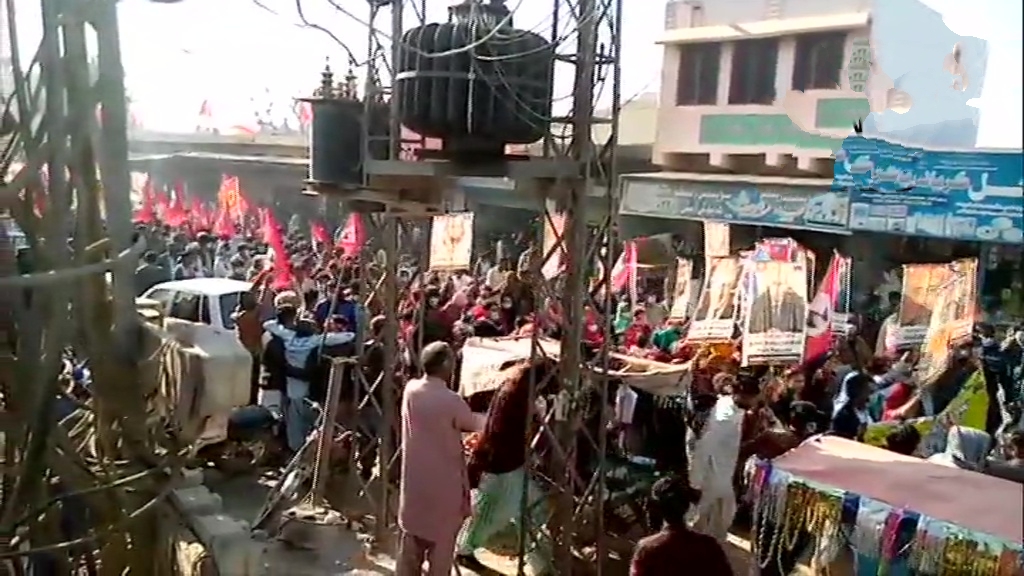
[(797, 207), (972, 195)]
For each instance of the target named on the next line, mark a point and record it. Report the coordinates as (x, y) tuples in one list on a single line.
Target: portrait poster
[(964, 297), (681, 290), (921, 283), (775, 312), (952, 320), (714, 316), (451, 241), (716, 239), (554, 246)]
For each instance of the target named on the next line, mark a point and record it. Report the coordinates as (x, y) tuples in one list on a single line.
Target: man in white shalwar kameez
[(714, 461)]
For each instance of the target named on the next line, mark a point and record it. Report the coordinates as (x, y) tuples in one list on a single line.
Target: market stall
[(896, 515)]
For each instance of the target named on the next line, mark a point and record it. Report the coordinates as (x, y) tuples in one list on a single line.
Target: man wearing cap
[(434, 496)]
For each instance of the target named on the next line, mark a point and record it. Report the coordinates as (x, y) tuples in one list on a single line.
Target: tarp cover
[(483, 358), (970, 500)]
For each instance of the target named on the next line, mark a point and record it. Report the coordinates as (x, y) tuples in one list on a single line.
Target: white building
[(757, 94), (783, 80)]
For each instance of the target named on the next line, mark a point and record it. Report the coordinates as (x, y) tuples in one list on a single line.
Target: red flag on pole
[(146, 214), (353, 235), (319, 235), (283, 276), (624, 272), (821, 310)]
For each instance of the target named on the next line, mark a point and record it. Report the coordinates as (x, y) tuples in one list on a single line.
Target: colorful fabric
[(496, 506)]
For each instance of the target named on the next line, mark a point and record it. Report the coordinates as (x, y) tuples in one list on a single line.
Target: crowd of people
[(457, 495)]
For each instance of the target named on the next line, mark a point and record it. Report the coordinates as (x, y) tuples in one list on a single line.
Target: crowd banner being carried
[(681, 290), (777, 250), (451, 241), (952, 320), (821, 315), (921, 283), (775, 313), (969, 409), (714, 319)]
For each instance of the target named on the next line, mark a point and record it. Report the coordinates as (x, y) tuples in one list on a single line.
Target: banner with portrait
[(681, 290), (952, 319), (921, 283), (714, 317), (451, 241), (775, 312)]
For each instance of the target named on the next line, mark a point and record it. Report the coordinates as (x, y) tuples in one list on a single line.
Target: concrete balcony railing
[(805, 125)]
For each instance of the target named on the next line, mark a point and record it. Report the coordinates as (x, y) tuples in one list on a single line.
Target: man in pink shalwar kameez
[(434, 496)]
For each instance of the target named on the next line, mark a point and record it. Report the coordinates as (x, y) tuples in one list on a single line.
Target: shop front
[(804, 209), (933, 206)]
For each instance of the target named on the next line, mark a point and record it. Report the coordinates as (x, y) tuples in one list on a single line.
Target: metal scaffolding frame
[(562, 179), (64, 180)]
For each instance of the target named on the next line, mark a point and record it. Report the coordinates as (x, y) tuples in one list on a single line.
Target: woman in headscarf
[(966, 448)]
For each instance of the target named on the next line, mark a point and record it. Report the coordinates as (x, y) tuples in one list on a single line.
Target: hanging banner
[(451, 241), (681, 290), (714, 318), (554, 245), (775, 314), (921, 283), (952, 320)]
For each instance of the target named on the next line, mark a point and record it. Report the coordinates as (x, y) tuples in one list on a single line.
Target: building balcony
[(801, 131)]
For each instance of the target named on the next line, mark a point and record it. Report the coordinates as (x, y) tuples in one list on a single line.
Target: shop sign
[(794, 207), (941, 194)]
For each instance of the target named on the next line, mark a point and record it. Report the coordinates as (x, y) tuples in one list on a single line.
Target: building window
[(697, 82), (753, 71), (818, 61)]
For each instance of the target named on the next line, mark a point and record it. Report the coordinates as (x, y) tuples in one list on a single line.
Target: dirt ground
[(345, 553)]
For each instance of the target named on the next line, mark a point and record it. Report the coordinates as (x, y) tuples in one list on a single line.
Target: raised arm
[(275, 328)]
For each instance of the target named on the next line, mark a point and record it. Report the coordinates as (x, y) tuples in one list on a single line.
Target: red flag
[(283, 276), (624, 272), (223, 226), (820, 311), (319, 235), (161, 204), (353, 235), (305, 115), (177, 214), (146, 214)]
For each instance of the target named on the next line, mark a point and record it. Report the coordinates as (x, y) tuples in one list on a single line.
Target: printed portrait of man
[(717, 300), (776, 305)]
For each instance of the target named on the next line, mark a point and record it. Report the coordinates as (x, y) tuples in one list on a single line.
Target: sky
[(230, 52)]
